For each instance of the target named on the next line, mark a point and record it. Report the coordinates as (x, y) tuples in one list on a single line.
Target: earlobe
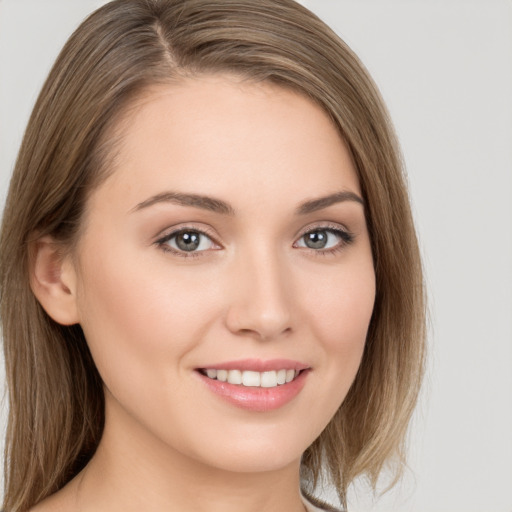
[(53, 280)]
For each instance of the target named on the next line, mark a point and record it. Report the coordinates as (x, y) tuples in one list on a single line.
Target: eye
[(186, 241), (324, 239)]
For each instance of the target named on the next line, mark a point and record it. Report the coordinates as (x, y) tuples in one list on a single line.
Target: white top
[(312, 508)]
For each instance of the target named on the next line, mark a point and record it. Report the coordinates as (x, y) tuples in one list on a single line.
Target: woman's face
[(228, 243)]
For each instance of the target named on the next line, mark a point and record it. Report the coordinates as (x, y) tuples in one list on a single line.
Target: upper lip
[(257, 365)]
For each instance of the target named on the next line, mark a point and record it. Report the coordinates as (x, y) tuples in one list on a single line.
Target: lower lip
[(257, 399)]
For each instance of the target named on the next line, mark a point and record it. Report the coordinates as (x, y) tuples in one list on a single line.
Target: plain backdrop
[(445, 71)]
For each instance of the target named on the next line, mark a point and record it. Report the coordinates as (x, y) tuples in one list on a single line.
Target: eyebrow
[(195, 200), (323, 202), (219, 206)]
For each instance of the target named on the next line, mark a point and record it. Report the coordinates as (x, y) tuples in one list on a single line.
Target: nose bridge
[(262, 300)]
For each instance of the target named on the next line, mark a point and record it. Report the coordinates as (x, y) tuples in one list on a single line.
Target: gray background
[(445, 70)]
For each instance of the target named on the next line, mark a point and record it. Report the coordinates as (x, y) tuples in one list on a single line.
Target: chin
[(256, 451), (258, 461)]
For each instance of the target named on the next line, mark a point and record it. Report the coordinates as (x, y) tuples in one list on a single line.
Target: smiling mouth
[(247, 378)]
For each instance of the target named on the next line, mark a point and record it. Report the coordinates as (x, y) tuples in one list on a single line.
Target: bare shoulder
[(50, 505), (61, 501)]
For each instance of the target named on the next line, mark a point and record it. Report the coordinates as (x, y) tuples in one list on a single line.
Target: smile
[(268, 379), (256, 385)]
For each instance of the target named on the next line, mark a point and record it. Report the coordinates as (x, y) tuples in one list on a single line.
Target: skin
[(255, 290)]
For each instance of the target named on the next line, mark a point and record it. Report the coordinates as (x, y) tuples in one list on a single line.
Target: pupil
[(188, 240), (316, 239)]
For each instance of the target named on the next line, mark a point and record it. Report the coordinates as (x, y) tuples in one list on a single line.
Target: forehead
[(243, 142)]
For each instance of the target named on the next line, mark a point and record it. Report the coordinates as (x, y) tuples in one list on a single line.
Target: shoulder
[(61, 501)]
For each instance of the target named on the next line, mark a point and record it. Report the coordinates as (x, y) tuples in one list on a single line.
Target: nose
[(261, 298)]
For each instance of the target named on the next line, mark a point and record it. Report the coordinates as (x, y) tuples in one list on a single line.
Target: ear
[(53, 280)]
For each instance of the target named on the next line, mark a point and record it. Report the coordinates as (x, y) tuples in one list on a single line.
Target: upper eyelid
[(209, 232), (333, 226), (168, 233)]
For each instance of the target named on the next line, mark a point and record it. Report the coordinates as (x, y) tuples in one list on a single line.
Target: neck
[(134, 471)]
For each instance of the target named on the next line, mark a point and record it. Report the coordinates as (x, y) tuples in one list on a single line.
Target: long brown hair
[(55, 392)]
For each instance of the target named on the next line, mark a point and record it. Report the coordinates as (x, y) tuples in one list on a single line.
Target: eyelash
[(346, 238), (162, 243)]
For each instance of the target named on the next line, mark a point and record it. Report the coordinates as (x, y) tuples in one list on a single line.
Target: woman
[(211, 287)]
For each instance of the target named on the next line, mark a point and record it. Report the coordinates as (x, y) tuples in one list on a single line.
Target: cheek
[(339, 309), (341, 304), (137, 315)]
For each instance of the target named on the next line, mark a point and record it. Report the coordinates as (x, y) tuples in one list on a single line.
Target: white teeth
[(222, 375), (235, 377), (269, 379), (251, 379), (211, 373)]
